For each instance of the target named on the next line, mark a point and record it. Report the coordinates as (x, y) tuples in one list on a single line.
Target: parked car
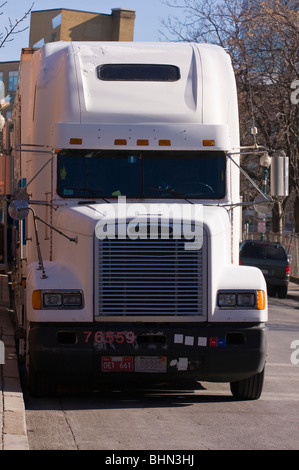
[(273, 261)]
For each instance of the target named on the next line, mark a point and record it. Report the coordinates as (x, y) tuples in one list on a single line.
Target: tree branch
[(12, 27)]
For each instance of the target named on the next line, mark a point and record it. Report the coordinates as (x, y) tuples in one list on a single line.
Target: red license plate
[(117, 364)]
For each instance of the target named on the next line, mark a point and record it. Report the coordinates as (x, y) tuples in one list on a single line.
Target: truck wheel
[(39, 384), (248, 389), (282, 292)]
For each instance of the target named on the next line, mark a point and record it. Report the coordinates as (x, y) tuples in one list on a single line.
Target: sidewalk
[(12, 411)]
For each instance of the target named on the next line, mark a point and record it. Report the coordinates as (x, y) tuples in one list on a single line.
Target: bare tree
[(13, 27), (262, 38)]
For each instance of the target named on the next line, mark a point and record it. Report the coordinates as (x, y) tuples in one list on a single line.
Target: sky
[(147, 23)]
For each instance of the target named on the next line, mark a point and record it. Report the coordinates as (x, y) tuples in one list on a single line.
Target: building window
[(39, 43), (12, 81), (56, 21)]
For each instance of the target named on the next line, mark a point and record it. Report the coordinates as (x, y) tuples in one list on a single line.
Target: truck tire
[(282, 292), (248, 389)]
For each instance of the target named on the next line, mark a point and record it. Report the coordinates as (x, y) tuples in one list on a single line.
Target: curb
[(12, 409), (293, 291)]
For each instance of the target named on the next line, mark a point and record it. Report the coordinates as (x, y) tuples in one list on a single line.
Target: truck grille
[(149, 277)]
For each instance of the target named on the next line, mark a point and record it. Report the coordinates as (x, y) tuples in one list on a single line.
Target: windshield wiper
[(167, 190), (171, 191), (93, 192)]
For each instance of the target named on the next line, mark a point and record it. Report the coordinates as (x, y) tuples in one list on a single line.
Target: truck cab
[(125, 157)]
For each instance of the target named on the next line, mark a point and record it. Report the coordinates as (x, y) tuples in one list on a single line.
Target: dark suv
[(273, 261)]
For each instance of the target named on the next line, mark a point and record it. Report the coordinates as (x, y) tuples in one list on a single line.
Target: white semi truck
[(124, 187)]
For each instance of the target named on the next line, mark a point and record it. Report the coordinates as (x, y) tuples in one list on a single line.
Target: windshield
[(263, 251), (139, 174)]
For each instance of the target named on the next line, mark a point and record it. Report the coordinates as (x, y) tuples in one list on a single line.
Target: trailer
[(124, 189)]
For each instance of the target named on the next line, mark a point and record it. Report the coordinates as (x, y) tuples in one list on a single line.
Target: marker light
[(165, 143), (75, 141), (120, 142), (260, 299), (142, 142), (208, 143), (37, 300)]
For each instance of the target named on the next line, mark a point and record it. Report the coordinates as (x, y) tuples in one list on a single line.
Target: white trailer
[(125, 162)]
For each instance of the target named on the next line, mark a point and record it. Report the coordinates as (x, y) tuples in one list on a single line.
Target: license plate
[(117, 364), (150, 364)]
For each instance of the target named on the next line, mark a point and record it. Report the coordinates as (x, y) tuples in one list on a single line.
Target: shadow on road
[(115, 397)]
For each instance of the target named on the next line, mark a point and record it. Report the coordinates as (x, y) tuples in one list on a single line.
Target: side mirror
[(263, 203), (18, 209)]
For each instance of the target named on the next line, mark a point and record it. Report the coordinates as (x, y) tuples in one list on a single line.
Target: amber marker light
[(37, 300), (120, 142), (260, 299), (75, 141), (208, 143)]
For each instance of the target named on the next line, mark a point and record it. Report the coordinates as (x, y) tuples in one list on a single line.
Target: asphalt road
[(169, 420)]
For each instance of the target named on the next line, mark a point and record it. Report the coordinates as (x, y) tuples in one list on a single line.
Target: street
[(188, 419)]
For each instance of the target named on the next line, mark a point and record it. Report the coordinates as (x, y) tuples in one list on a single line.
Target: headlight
[(246, 299), (241, 299), (226, 299), (72, 299), (58, 299), (52, 300)]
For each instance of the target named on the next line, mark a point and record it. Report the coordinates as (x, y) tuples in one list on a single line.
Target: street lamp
[(265, 162)]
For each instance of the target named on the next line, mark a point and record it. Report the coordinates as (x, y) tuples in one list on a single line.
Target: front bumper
[(69, 353)]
